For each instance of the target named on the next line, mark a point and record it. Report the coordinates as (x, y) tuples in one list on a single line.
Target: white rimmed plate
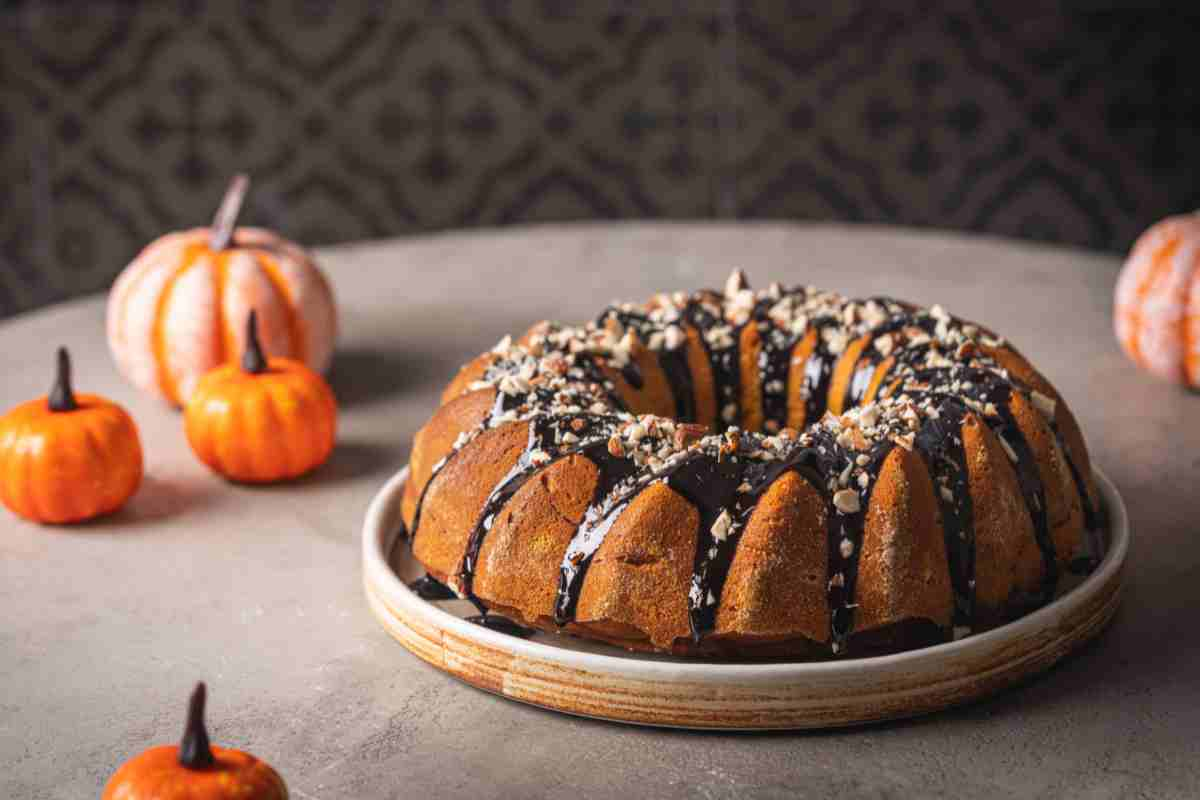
[(579, 677)]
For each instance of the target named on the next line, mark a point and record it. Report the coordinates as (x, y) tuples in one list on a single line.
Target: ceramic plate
[(591, 679)]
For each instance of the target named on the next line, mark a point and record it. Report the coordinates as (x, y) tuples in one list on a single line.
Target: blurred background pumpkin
[(1157, 317), (176, 312)]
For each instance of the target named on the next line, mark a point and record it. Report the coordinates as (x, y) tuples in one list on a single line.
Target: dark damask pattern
[(1060, 121)]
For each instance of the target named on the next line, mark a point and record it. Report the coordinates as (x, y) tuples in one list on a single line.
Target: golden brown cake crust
[(608, 481)]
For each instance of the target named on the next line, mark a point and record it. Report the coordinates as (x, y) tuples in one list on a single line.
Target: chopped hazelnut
[(615, 448), (846, 501)]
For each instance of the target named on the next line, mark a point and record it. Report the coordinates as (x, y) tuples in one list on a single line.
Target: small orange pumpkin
[(195, 770), (174, 313), (68, 457), (1157, 300), (264, 420)]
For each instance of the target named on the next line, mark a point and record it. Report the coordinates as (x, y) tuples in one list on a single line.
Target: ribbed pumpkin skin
[(262, 428), (67, 466), (1157, 300), (177, 311), (157, 775)]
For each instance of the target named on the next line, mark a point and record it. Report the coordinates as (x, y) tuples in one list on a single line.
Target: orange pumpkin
[(1157, 318), (195, 770), (173, 314), (68, 457), (264, 420)]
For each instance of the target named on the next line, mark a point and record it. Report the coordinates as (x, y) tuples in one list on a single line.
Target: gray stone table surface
[(104, 627)]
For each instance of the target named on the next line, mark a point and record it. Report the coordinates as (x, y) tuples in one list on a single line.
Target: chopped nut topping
[(688, 433), (563, 370), (720, 527), (849, 315), (835, 340), (514, 385), (674, 337), (846, 501), (719, 337), (735, 283)]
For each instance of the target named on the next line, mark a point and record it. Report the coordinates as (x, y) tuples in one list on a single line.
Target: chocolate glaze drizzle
[(1086, 562), (774, 361), (818, 372), (935, 377), (724, 360), (500, 624), (711, 486), (940, 444), (429, 588), (994, 393), (1030, 481), (614, 491), (673, 361), (866, 366)]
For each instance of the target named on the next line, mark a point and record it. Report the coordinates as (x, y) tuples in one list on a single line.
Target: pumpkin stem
[(62, 397), (253, 360), (225, 220), (194, 750)]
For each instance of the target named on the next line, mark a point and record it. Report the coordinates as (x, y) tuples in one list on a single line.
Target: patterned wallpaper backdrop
[(1073, 122)]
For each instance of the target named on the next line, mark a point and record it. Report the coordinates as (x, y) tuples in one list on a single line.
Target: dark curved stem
[(225, 221), (253, 360), (62, 396), (194, 749)]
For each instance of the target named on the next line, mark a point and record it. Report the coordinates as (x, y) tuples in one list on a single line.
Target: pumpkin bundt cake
[(747, 474)]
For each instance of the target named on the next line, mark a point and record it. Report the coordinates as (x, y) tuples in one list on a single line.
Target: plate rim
[(377, 573)]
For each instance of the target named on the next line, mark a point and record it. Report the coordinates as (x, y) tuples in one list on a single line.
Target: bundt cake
[(747, 474)]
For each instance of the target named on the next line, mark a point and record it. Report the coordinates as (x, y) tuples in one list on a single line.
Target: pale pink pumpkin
[(179, 310), (1157, 299)]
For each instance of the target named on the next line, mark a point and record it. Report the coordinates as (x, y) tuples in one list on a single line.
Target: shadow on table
[(351, 460), (362, 375), (156, 501)]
